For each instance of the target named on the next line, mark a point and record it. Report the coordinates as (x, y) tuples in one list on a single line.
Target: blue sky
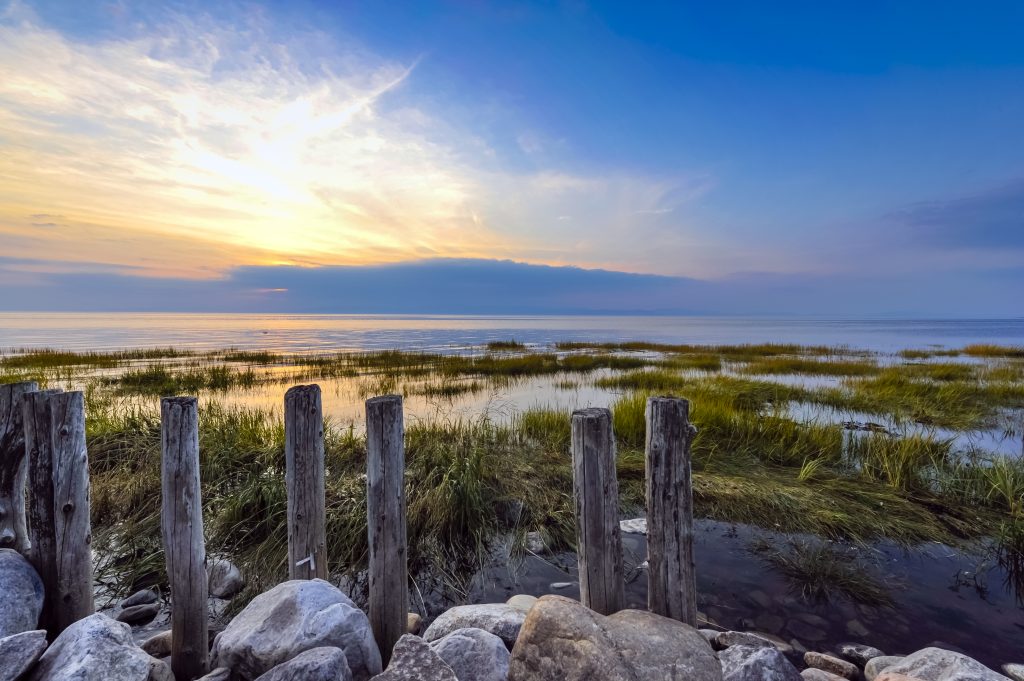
[(866, 154)]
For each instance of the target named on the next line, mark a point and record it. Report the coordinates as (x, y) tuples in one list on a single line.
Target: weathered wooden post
[(385, 517), (671, 586), (181, 523), (304, 465), (13, 466), (596, 489), (59, 529)]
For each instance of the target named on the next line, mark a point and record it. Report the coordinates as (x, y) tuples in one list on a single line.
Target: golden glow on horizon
[(200, 148)]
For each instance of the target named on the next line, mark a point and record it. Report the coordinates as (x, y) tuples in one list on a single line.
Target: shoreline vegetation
[(900, 474)]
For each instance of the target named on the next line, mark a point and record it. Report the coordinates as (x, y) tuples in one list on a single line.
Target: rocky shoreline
[(310, 629)]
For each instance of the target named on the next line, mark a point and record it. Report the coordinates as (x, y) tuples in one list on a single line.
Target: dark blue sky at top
[(899, 123)]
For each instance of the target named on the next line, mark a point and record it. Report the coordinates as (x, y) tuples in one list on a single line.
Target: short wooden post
[(304, 476), (596, 489), (385, 516), (671, 585), (13, 466), (181, 523), (59, 529)]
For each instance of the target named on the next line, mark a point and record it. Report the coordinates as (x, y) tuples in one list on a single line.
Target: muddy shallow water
[(937, 595)]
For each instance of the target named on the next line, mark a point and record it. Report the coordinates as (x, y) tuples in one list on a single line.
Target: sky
[(861, 158)]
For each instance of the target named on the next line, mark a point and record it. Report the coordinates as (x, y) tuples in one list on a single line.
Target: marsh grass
[(803, 365), (821, 572), (510, 344), (988, 350)]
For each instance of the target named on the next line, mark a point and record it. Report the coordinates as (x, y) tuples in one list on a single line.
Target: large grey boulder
[(561, 640), (23, 594), (224, 578), (938, 664), (292, 618), (749, 663), (317, 664), (412, 659), (19, 652), (97, 648), (877, 665), (474, 655), (500, 619)]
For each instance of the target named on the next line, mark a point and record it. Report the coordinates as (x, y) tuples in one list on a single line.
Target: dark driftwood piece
[(385, 513), (596, 491), (671, 589), (181, 521)]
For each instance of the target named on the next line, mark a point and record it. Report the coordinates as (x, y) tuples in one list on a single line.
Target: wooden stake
[(596, 490), (304, 462), (181, 523), (13, 466), (59, 529), (672, 587), (385, 515)]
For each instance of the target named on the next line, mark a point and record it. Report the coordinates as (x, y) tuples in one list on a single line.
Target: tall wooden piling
[(671, 586), (13, 466), (385, 514), (596, 491), (304, 463), (59, 528), (181, 522)]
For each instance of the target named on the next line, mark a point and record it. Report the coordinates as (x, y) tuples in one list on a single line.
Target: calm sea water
[(311, 333)]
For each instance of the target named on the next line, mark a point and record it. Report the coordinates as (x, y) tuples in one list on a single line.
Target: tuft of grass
[(908, 463), (821, 572), (510, 344), (990, 350), (803, 365)]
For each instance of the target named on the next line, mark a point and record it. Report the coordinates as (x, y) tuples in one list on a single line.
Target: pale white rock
[(159, 644), (633, 526), (522, 601), (562, 640), (19, 652), (316, 664), (412, 659), (877, 665), (812, 674), (747, 663), (938, 664), (224, 578), (1014, 671), (726, 639), (500, 619), (23, 594), (413, 623), (97, 648), (474, 655), (858, 652), (291, 618)]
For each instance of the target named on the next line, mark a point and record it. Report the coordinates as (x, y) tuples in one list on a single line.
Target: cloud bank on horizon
[(670, 158)]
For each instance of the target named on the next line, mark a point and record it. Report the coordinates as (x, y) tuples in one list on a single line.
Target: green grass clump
[(510, 344), (44, 358), (990, 350), (907, 463), (162, 380), (821, 572), (802, 365)]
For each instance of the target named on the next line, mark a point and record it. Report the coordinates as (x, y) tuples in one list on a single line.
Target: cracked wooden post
[(385, 516), (13, 466), (671, 585), (59, 529), (596, 491), (304, 464), (181, 523)]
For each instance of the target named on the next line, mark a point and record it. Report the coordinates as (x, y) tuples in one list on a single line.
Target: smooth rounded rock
[(158, 645), (1014, 671), (877, 665), (474, 655), (141, 597), (939, 664), (291, 618), (831, 664), (858, 653), (224, 579), (19, 652), (138, 614), (23, 594), (413, 623), (97, 648), (726, 639), (316, 664), (747, 663), (561, 640), (218, 674), (412, 659), (812, 674), (522, 602), (500, 619)]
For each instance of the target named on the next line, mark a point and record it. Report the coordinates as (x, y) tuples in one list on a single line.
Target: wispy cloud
[(187, 146)]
